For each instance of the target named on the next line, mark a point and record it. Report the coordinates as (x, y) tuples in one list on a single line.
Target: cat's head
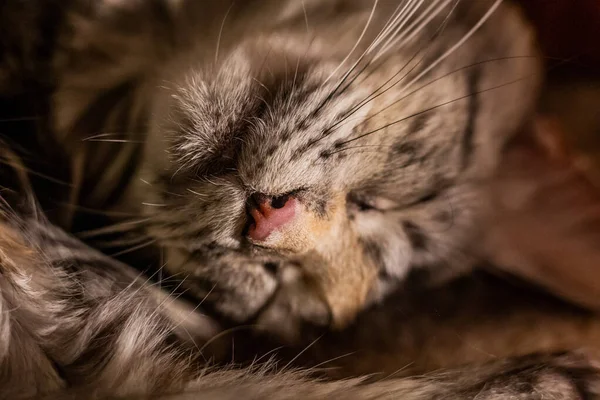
[(356, 135)]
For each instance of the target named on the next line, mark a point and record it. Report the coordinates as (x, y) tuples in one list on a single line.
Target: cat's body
[(293, 160)]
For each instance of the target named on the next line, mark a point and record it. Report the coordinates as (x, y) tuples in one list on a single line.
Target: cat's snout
[(269, 214)]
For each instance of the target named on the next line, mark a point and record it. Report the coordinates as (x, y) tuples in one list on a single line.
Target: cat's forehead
[(270, 118)]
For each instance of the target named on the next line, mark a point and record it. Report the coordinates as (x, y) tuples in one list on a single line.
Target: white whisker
[(115, 140), (389, 25), (305, 17), (364, 31), (399, 25), (134, 248), (466, 37), (432, 15), (196, 193), (119, 227), (154, 204), (221, 33), (426, 16)]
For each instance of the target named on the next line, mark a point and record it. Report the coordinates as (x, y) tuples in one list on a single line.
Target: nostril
[(256, 199), (267, 214), (249, 223), (280, 202)]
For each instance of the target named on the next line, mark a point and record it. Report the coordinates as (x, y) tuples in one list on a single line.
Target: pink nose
[(269, 214)]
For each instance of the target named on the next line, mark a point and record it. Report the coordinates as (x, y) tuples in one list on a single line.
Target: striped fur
[(175, 111), (386, 135), (78, 325)]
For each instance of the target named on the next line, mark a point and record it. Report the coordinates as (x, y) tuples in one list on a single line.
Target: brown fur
[(78, 320)]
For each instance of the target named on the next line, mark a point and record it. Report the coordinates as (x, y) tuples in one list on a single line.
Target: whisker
[(426, 15), (364, 31), (470, 33), (440, 78), (400, 25), (134, 248), (389, 25), (375, 95), (116, 140), (333, 92), (311, 344), (154, 204), (116, 228), (350, 70), (221, 32), (429, 109)]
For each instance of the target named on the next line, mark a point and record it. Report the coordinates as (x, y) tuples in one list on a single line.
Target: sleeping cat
[(295, 159), (292, 160)]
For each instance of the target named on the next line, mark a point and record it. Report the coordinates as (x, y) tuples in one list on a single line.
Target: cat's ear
[(546, 213)]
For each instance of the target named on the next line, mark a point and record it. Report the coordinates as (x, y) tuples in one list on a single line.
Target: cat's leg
[(71, 316), (25, 368), (568, 376)]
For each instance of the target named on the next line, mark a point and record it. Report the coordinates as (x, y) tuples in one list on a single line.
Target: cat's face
[(299, 153)]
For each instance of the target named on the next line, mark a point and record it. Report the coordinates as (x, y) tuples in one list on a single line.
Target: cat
[(296, 159), (293, 160), (77, 324)]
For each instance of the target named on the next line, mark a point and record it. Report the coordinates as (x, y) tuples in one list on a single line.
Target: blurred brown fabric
[(546, 198), (547, 221), (568, 30)]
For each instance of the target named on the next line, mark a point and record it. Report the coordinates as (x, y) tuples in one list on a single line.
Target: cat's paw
[(578, 370), (573, 375), (295, 308), (267, 292)]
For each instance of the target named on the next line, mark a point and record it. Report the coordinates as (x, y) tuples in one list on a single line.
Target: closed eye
[(426, 198), (365, 203)]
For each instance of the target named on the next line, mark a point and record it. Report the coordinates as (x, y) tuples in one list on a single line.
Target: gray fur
[(179, 110), (262, 97), (77, 325)]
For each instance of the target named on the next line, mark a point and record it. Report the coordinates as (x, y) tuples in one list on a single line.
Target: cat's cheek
[(383, 240), (342, 273)]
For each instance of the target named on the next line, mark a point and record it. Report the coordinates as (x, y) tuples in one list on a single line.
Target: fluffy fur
[(384, 120), (76, 324)]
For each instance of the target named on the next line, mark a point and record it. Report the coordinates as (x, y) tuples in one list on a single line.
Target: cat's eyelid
[(383, 204), (373, 203)]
